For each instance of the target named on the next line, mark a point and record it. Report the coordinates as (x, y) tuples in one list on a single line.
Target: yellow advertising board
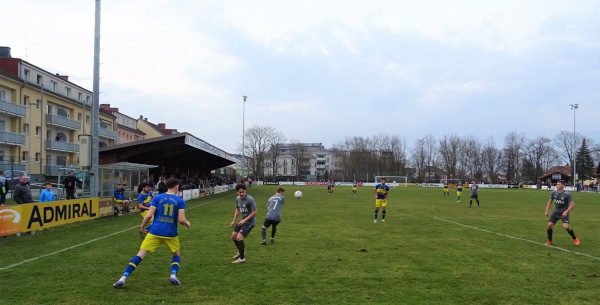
[(35, 216)]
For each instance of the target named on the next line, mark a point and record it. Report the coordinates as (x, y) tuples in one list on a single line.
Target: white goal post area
[(450, 181), (389, 180)]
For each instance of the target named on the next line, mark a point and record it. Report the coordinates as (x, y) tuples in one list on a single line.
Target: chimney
[(161, 126), (5, 52)]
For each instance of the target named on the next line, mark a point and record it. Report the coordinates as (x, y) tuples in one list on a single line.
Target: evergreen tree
[(586, 169)]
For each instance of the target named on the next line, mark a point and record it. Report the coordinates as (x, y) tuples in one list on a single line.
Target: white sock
[(173, 275), (123, 278)]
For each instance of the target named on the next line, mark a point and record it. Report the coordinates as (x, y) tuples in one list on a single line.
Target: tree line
[(427, 159)]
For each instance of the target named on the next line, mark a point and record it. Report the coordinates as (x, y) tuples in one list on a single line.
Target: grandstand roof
[(181, 152)]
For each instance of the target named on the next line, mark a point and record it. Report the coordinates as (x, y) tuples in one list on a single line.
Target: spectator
[(69, 183), (47, 194), (3, 188), (162, 186), (119, 194), (22, 194)]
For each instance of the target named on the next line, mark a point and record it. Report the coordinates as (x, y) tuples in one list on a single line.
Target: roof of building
[(180, 151)]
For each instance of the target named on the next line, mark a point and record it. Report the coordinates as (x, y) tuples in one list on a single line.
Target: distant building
[(42, 115), (126, 125), (302, 161)]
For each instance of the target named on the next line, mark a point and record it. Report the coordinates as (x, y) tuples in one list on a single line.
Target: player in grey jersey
[(564, 204), (274, 206), (474, 193), (246, 206)]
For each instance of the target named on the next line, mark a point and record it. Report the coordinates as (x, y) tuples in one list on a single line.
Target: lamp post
[(243, 135), (574, 107)]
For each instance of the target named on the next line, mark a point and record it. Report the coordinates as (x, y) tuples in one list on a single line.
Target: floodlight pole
[(243, 135), (574, 107)]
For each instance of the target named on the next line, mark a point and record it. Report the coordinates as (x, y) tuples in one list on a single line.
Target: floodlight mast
[(574, 107), (243, 136)]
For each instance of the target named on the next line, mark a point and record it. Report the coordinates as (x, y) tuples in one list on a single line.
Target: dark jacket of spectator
[(70, 180), (22, 194), (162, 187)]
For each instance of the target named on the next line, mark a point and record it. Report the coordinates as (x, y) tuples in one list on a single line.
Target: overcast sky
[(321, 71)]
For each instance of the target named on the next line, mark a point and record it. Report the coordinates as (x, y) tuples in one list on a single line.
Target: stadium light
[(574, 107), (243, 135)]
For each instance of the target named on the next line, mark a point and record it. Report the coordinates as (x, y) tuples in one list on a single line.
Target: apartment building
[(42, 116)]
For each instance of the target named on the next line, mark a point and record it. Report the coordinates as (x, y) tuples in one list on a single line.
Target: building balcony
[(7, 166), (62, 146), (62, 121), (12, 109), (321, 166), (52, 170), (11, 138), (109, 134)]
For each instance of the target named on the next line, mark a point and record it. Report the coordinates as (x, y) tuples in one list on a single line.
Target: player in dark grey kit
[(564, 204), (274, 206), (474, 193), (246, 206)]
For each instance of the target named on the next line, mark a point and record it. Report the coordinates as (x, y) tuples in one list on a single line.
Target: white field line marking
[(83, 244), (518, 238)]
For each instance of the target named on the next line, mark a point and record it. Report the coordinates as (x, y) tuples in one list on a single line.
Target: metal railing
[(59, 120), (12, 108), (12, 138), (62, 146)]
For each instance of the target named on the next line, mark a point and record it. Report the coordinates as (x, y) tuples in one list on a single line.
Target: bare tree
[(539, 155), (274, 152), (492, 158), (419, 159), (472, 150), (567, 144), (513, 147), (449, 149), (258, 141)]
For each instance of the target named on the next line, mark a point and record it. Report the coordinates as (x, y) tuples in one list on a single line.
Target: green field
[(327, 251)]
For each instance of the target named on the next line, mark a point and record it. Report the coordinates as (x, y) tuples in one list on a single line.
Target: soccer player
[(330, 187), (381, 194), (246, 206), (459, 187), (446, 191), (394, 183), (169, 209), (474, 193), (563, 205), (274, 206), (354, 188), (144, 199)]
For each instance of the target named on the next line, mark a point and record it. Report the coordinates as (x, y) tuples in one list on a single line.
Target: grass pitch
[(431, 250)]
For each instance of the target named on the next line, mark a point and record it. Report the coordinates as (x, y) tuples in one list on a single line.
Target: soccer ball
[(298, 194)]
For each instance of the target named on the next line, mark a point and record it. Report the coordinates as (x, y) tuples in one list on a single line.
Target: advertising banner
[(35, 216)]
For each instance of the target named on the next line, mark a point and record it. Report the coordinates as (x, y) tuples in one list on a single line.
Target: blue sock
[(133, 263), (175, 264)]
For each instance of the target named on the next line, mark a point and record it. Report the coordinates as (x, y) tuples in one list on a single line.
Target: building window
[(37, 130), (25, 128), (2, 95), (2, 125), (79, 96), (40, 80), (49, 109), (26, 74), (68, 91), (25, 100), (79, 117), (87, 119), (53, 86), (37, 157), (87, 99), (25, 156), (37, 105)]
